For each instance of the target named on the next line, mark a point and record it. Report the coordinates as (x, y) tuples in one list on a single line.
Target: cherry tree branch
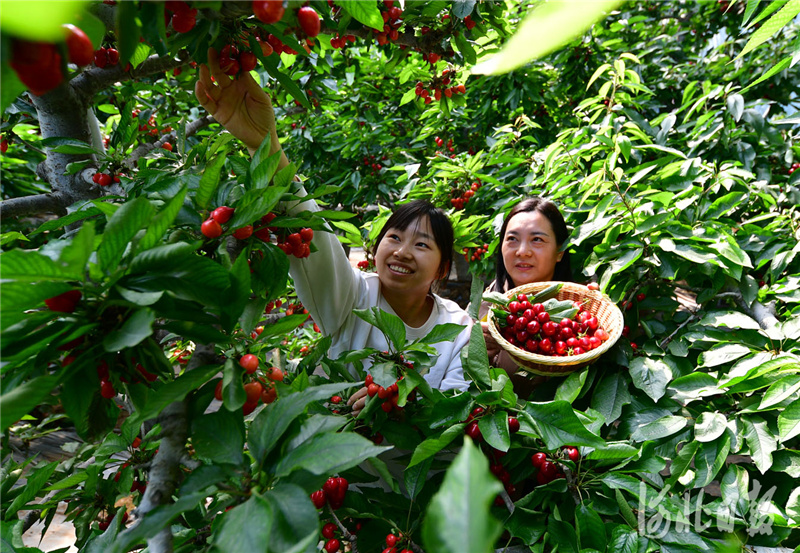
[(165, 469), (144, 149), (29, 205), (95, 79)]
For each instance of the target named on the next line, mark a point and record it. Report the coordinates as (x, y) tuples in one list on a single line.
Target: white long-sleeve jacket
[(330, 288)]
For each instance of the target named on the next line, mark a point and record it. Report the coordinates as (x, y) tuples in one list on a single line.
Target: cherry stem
[(345, 532)]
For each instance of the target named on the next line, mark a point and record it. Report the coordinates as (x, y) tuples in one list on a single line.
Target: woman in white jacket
[(413, 250)]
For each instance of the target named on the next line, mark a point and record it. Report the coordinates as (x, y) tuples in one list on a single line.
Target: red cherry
[(268, 11), (332, 546), (249, 363), (572, 453), (513, 424), (107, 389), (307, 234), (184, 21), (211, 229), (64, 303), (248, 61), (79, 47), (538, 459), (104, 179), (222, 214), (243, 233), (309, 21), (474, 432), (329, 531)]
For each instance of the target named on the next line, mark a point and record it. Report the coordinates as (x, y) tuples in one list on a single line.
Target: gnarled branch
[(29, 205)]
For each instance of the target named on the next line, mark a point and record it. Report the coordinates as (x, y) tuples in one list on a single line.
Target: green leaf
[(476, 367), (558, 425), (434, 445), (415, 477), (210, 180), (16, 19), (219, 437), (494, 429), (314, 456), (35, 481), (525, 524), (709, 426), (238, 532), (624, 540), (760, 440), (458, 517), (272, 421), (294, 521), (570, 389), (366, 13), (31, 266), (660, 428), (730, 319), (19, 401), (771, 26), (152, 523), (611, 395), (780, 390), (545, 29), (135, 329), (710, 458), (270, 63), (174, 391), (788, 421), (446, 332), (721, 354), (682, 461), (263, 165), (120, 230), (393, 327), (590, 528), (128, 29), (163, 220), (651, 376)]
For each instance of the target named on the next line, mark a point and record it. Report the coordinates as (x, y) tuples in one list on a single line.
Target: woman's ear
[(445, 271), (560, 255)]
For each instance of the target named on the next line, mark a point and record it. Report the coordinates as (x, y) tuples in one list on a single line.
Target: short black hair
[(563, 271), (406, 214)]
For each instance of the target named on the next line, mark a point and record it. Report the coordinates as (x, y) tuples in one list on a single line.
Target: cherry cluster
[(340, 42), (259, 388), (549, 470), (107, 389), (529, 327), (495, 465), (365, 265), (795, 166), (3, 145), (392, 543), (388, 395), (149, 126), (392, 21), (106, 522), (272, 11), (183, 18), (440, 142), (106, 56), (332, 492), (232, 61), (329, 533), (438, 88), (104, 179), (459, 201), (476, 256), (297, 243), (370, 162)]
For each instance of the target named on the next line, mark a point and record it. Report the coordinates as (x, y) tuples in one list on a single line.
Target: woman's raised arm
[(238, 104)]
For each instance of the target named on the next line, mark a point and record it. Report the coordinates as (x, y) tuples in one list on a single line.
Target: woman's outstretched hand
[(238, 104)]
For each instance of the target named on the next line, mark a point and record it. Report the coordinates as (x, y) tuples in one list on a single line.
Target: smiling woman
[(531, 250), (414, 250)]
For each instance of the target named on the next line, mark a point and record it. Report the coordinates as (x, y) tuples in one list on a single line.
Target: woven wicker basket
[(596, 302)]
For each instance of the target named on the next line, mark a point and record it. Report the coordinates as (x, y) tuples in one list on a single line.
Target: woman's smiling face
[(408, 260), (529, 248)]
